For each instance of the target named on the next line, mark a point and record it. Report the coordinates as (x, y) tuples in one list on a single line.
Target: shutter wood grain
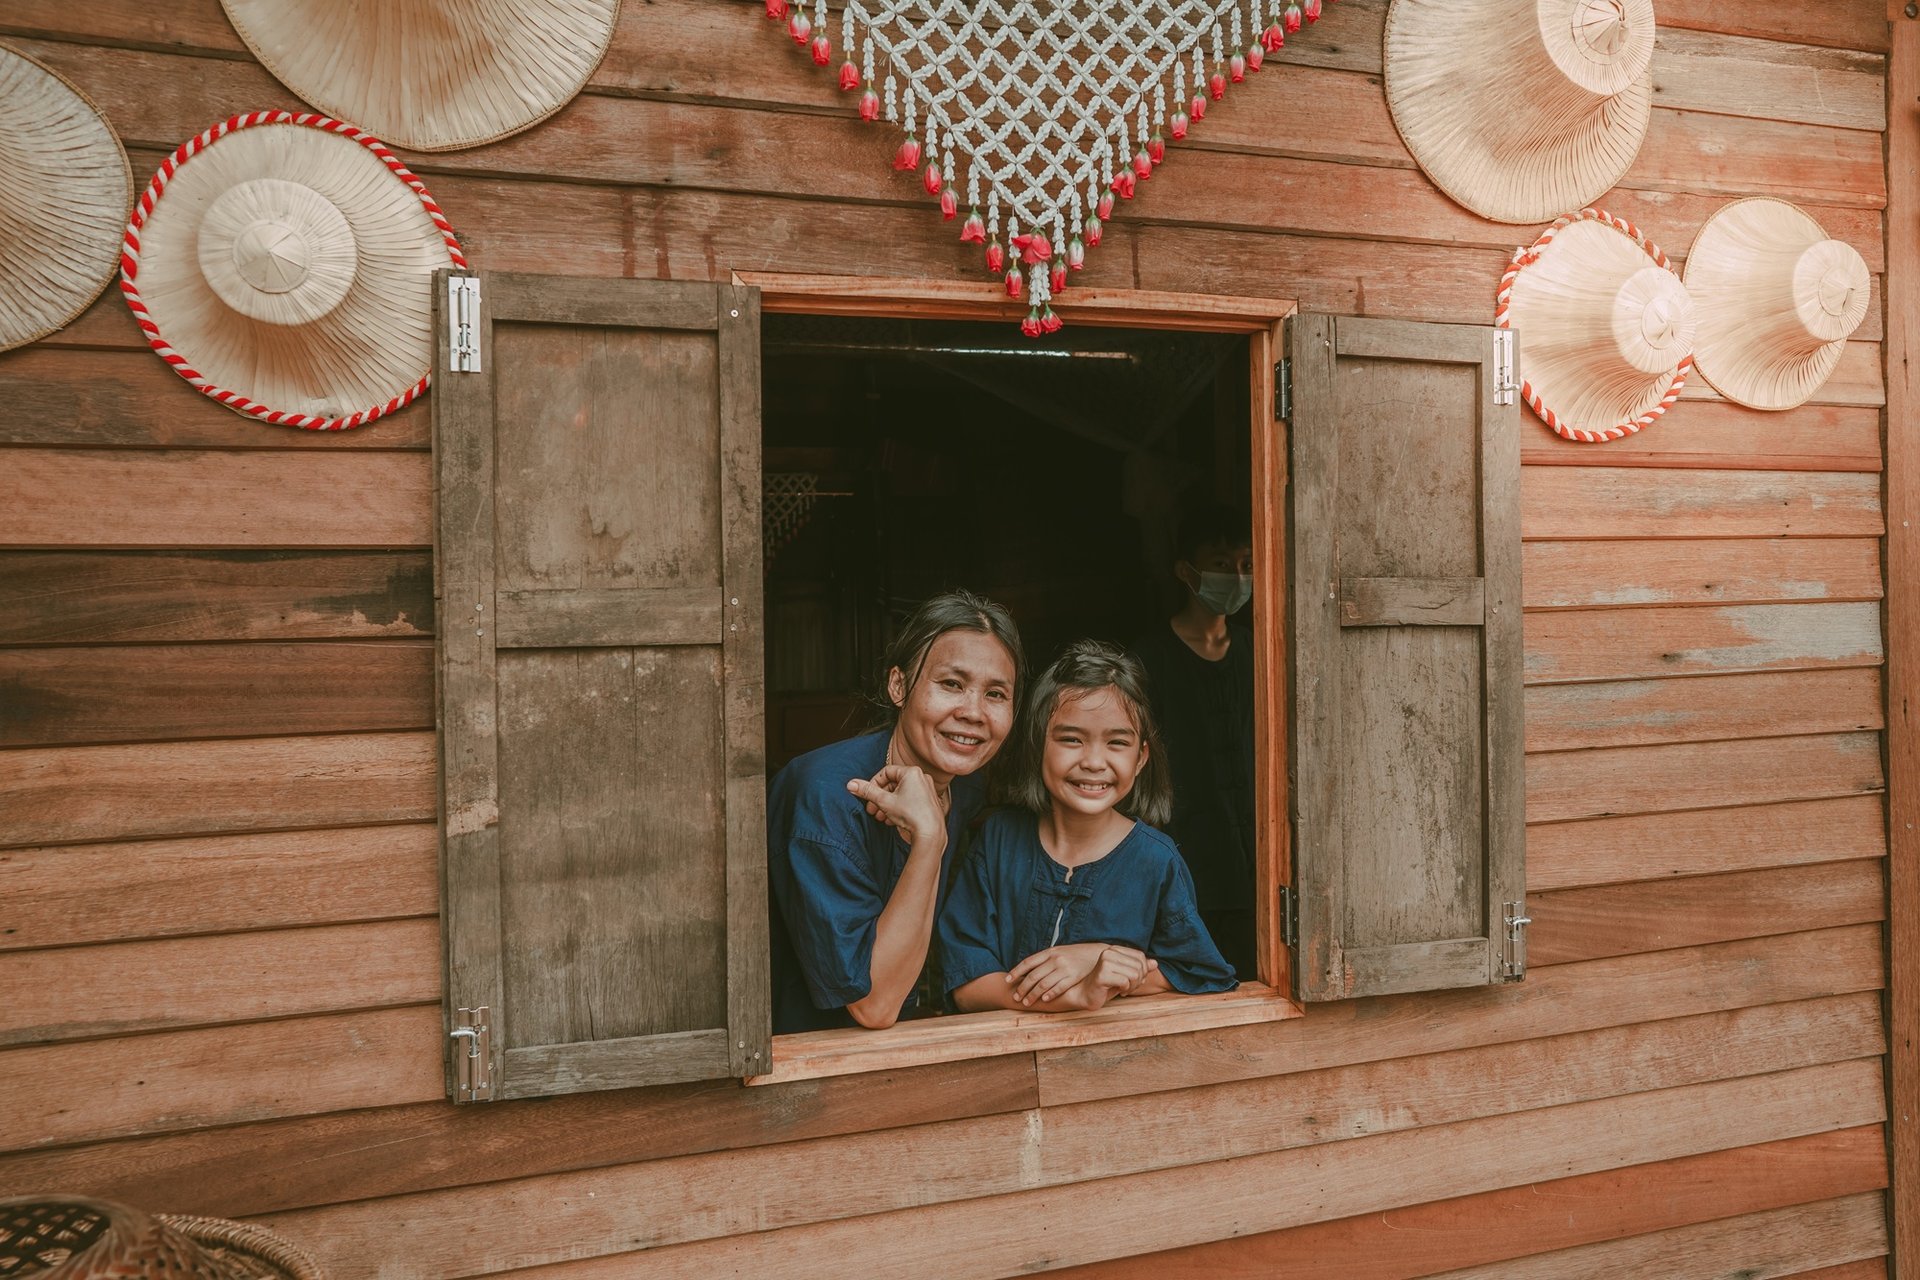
[(600, 682), (1405, 516)]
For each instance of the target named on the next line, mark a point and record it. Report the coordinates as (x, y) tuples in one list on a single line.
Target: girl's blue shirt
[(1010, 899), (832, 869)]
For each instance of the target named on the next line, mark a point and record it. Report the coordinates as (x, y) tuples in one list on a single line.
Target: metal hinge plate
[(1283, 391), (1289, 916), (1513, 947), (1504, 386), (463, 324), (472, 1037)]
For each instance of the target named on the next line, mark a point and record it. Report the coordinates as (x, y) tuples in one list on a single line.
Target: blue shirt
[(832, 869), (1011, 899)]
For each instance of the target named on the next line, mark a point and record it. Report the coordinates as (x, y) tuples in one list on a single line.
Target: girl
[(1075, 900), (858, 831)]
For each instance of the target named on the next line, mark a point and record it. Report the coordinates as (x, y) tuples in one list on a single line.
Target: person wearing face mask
[(1200, 675)]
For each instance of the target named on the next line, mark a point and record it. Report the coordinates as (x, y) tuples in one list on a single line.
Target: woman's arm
[(907, 799)]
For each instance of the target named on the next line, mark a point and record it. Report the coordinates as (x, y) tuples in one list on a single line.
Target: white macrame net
[(1040, 106)]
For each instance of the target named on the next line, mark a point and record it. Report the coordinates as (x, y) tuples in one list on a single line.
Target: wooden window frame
[(814, 1054)]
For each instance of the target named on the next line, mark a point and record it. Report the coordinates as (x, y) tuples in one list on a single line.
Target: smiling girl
[(858, 831), (1075, 900)]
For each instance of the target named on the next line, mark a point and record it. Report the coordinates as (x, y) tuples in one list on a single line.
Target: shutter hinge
[(1513, 949), (463, 324), (472, 1037), (1283, 391), (1289, 916), (1503, 384)]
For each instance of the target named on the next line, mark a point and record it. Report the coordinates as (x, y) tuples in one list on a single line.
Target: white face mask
[(1224, 593)]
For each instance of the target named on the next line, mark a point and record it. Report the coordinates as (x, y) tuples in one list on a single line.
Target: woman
[(859, 831)]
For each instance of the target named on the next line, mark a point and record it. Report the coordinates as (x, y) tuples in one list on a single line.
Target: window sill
[(812, 1055)]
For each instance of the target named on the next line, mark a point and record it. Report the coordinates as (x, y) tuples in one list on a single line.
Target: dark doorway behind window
[(903, 458)]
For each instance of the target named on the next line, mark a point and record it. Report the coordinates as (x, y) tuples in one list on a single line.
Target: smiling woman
[(859, 831)]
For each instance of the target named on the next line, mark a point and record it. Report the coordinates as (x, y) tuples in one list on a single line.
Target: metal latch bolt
[(463, 324), (1513, 949), (472, 1037), (1504, 386)]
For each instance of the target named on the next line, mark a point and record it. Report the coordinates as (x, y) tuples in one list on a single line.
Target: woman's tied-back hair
[(1085, 666), (948, 611)]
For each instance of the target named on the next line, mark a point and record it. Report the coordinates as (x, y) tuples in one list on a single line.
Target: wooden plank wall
[(217, 888)]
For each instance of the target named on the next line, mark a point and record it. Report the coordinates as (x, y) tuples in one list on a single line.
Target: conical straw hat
[(63, 200), (1520, 109), (1605, 327), (281, 263), (1775, 301), (432, 75)]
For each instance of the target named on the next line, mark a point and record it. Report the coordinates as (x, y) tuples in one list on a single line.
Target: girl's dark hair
[(948, 611), (1085, 666)]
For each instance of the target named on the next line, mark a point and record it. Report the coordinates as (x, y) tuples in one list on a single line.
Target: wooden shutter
[(1409, 774), (597, 565)]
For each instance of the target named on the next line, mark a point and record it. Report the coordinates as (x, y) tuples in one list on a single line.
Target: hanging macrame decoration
[(1046, 111)]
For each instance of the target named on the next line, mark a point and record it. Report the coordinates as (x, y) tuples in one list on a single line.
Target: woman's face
[(958, 713)]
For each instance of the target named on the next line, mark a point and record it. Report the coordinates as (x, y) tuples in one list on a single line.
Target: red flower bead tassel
[(1142, 164), (1199, 105), (949, 205), (1104, 209), (1057, 274), (1033, 248), (869, 105), (1031, 326), (776, 10), (1273, 39), (1217, 87), (1123, 183), (1156, 148), (1095, 229), (1077, 249), (1255, 56), (1313, 10), (1015, 282), (1236, 70), (996, 258), (1293, 18), (822, 51), (1049, 322), (974, 229), (1177, 126), (799, 26), (907, 158), (930, 179), (849, 77)]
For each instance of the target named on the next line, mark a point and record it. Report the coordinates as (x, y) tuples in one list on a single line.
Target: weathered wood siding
[(217, 881)]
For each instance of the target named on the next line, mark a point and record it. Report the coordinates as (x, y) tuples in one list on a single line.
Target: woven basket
[(69, 1238)]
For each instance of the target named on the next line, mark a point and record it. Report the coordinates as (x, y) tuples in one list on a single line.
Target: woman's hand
[(904, 797)]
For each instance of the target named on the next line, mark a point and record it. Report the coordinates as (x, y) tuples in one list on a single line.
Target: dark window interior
[(907, 457)]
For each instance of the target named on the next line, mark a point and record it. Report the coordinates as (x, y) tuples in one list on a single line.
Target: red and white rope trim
[(1503, 303), (143, 209)]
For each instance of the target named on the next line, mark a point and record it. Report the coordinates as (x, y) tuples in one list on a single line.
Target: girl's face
[(958, 713), (1093, 751)]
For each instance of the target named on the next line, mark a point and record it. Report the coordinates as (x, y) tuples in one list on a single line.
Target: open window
[(609, 718)]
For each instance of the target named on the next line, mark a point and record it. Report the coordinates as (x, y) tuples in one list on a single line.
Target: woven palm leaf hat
[(1521, 109), (63, 201), (1776, 301), (1605, 327), (431, 75), (281, 263)]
